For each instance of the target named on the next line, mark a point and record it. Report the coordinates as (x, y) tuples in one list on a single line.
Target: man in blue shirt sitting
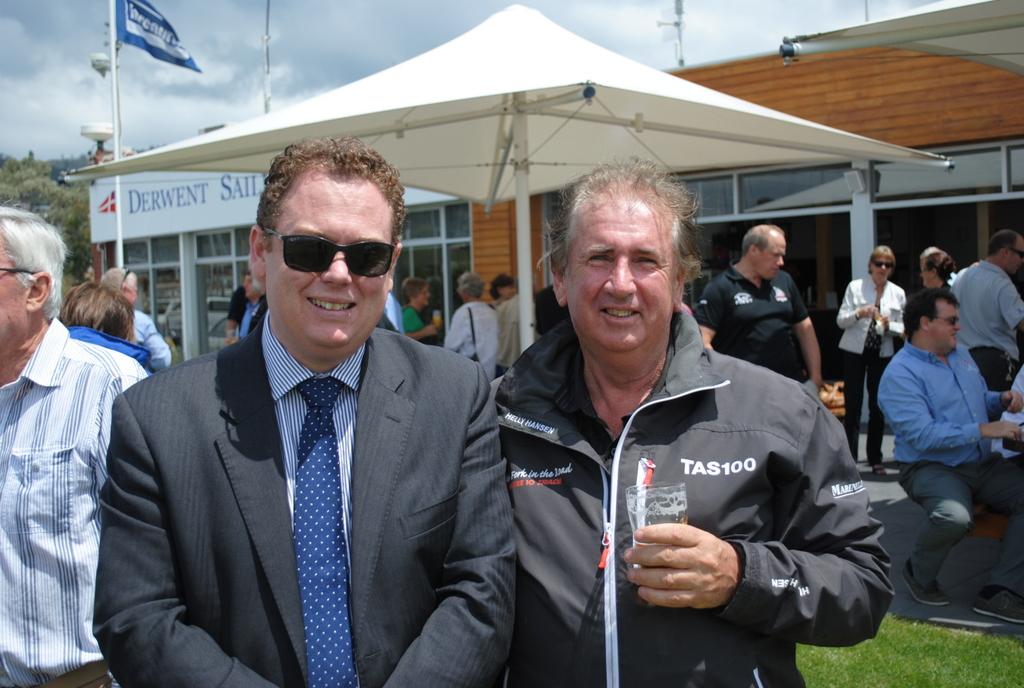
[(936, 402)]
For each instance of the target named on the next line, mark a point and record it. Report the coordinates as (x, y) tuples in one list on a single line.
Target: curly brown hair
[(347, 158)]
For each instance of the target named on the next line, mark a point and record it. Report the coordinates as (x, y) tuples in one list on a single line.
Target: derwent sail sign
[(162, 203)]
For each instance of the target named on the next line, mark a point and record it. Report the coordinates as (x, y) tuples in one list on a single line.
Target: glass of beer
[(437, 319), (656, 503)]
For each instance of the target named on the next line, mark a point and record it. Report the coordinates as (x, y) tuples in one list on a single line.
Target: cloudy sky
[(49, 90)]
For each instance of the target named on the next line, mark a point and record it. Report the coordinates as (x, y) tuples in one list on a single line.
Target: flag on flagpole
[(141, 25)]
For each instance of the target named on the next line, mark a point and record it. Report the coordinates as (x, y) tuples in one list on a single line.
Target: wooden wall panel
[(899, 96), (494, 240)]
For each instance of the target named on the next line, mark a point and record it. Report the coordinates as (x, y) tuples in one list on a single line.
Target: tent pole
[(497, 173), (523, 260)]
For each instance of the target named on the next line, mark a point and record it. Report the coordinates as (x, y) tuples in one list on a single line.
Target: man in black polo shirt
[(753, 310)]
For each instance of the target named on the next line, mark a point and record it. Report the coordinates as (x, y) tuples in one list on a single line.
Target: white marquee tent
[(518, 106)]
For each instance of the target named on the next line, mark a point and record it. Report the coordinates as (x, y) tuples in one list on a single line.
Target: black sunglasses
[(881, 264), (1017, 251), (17, 271), (307, 253)]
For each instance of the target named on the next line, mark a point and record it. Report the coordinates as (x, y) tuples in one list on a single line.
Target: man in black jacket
[(779, 548)]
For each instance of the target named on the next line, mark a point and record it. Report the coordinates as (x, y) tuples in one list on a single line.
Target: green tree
[(27, 184)]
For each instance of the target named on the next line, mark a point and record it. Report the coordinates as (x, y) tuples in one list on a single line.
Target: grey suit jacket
[(197, 578)]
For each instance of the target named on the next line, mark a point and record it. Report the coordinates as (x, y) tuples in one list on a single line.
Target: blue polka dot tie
[(320, 542)]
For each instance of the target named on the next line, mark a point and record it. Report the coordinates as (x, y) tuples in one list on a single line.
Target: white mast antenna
[(678, 25)]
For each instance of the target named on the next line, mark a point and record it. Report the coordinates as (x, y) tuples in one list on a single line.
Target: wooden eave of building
[(898, 96)]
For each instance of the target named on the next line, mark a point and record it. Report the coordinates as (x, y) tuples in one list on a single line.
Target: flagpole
[(116, 106), (266, 63), (145, 28)]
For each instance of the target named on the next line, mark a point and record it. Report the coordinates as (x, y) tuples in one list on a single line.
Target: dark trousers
[(947, 493), (857, 367), (996, 366)]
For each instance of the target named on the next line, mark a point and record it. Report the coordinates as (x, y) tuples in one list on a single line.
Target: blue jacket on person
[(109, 341)]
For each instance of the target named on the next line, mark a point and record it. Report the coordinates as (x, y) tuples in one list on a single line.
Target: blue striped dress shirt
[(284, 373), (54, 431)]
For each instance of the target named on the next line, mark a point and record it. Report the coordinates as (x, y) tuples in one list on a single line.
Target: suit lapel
[(382, 425), (251, 453)]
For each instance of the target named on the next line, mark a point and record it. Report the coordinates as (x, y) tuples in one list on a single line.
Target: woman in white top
[(871, 317)]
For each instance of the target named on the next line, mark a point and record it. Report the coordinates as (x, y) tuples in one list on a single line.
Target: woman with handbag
[(474, 328), (871, 317)]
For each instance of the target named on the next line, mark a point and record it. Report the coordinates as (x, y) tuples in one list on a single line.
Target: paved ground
[(963, 574)]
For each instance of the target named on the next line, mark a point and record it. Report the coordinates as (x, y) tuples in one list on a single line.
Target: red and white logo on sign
[(109, 204)]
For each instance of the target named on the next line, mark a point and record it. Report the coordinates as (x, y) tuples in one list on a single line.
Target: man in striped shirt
[(55, 402)]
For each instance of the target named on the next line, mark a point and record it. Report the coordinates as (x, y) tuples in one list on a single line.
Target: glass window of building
[(426, 262), (159, 285), (460, 260), (216, 281), (423, 224), (975, 172), (210, 245), (167, 287), (714, 196), (143, 285), (817, 254), (242, 241), (165, 249), (136, 252), (1017, 168), (222, 260), (436, 243), (797, 188), (456, 221)]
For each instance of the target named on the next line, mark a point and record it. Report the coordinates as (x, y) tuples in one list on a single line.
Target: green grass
[(909, 654)]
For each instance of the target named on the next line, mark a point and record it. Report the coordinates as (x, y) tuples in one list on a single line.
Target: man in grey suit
[(322, 504)]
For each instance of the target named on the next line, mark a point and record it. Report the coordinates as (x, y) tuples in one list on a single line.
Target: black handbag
[(472, 333)]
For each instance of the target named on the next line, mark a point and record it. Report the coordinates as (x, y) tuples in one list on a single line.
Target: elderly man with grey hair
[(775, 545), (474, 329), (146, 334), (56, 395)]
